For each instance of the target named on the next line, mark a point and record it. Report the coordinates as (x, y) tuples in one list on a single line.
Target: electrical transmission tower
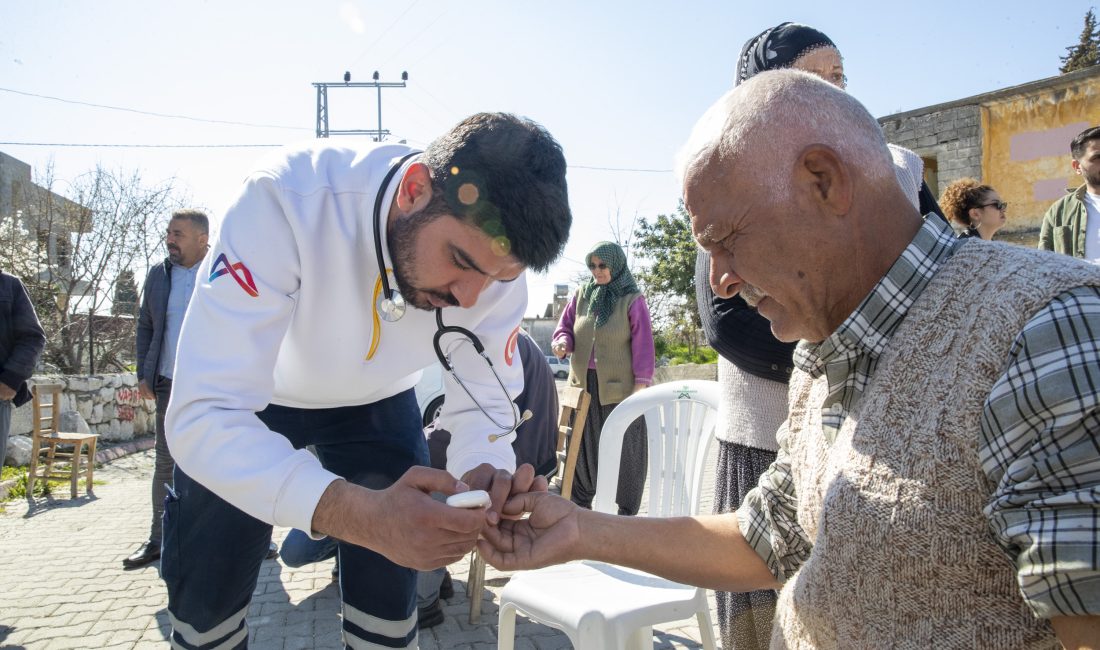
[(322, 104)]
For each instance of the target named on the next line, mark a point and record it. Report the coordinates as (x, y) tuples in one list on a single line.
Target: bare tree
[(78, 241)]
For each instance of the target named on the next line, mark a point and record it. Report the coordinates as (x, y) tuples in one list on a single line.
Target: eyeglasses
[(1000, 205), (601, 266)]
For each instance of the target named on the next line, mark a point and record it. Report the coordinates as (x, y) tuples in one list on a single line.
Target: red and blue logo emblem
[(510, 346), (238, 271)]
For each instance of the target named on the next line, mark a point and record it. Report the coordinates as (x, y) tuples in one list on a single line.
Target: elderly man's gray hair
[(772, 118)]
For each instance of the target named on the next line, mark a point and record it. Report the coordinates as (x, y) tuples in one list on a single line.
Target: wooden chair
[(49, 445), (574, 411)]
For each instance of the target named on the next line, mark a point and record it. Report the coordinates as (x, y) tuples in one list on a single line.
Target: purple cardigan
[(641, 338)]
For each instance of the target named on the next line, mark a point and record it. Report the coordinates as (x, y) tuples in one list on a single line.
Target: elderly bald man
[(937, 479)]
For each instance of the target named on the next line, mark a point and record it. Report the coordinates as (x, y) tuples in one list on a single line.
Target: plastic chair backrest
[(680, 419)]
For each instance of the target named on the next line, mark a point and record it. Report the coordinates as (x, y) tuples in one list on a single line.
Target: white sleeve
[(240, 311), (470, 428)]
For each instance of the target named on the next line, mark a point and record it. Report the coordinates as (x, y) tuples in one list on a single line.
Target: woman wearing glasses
[(606, 328), (977, 208)]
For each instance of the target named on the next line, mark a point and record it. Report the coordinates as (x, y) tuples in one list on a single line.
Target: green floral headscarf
[(602, 298)]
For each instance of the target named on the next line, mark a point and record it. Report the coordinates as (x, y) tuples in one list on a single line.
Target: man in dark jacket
[(21, 343), (164, 301)]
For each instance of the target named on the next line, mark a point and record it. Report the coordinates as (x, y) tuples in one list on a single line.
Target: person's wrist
[(588, 525), (341, 507)]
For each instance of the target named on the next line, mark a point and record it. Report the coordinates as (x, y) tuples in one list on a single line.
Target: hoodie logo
[(510, 346), (239, 272)]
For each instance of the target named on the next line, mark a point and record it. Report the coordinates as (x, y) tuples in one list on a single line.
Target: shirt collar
[(869, 327)]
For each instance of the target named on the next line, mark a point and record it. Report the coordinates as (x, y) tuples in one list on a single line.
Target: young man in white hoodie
[(296, 336)]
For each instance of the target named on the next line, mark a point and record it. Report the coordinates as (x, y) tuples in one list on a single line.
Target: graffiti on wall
[(126, 399)]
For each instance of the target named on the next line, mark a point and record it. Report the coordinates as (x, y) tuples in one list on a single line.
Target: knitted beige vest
[(903, 556), (615, 367)]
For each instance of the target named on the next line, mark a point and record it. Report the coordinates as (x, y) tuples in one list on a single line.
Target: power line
[(137, 146), (141, 112), (383, 34)]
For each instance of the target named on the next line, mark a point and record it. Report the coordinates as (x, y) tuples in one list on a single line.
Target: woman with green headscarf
[(606, 327)]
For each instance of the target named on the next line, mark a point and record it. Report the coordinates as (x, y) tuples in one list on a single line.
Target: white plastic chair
[(602, 606)]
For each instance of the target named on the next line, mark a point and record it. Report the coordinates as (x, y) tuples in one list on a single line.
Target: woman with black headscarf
[(607, 329)]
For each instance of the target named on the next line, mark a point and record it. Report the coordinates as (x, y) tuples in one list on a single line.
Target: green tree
[(126, 294), (668, 251), (1086, 52)]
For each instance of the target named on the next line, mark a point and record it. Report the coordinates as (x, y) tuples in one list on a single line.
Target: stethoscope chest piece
[(391, 308)]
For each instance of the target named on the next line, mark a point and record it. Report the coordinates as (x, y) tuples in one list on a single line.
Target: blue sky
[(620, 84)]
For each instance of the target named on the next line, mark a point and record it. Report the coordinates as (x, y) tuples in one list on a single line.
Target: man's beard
[(175, 255), (1093, 180), (751, 295), (402, 242)]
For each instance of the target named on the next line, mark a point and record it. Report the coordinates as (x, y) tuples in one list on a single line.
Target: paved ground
[(62, 584)]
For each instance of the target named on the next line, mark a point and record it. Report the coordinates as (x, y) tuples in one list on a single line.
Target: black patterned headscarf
[(602, 297), (778, 47)]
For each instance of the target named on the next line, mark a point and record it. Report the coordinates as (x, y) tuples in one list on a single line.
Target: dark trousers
[(745, 619), (163, 463), (633, 463), (213, 551)]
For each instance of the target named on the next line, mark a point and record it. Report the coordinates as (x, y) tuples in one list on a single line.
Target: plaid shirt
[(1038, 444)]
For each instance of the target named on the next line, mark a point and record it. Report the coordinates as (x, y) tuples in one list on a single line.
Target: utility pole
[(91, 335), (323, 131)]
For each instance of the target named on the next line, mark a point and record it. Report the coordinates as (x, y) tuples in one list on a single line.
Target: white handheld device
[(471, 499)]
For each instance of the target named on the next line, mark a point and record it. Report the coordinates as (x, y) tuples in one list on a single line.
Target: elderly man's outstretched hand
[(550, 535), (502, 484), (402, 522)]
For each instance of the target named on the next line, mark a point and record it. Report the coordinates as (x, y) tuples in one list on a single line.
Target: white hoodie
[(283, 313)]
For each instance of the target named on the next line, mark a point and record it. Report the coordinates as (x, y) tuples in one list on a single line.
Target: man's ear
[(1076, 164), (830, 182), (415, 190)]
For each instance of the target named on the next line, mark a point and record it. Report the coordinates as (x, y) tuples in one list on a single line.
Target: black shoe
[(446, 588), (146, 553), (272, 551), (429, 615)]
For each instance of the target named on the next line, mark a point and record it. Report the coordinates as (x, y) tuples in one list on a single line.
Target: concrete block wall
[(951, 136)]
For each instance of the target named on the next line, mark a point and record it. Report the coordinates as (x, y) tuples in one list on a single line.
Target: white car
[(559, 366)]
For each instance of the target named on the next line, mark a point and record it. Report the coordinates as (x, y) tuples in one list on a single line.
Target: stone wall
[(952, 137), (109, 404), (684, 371)]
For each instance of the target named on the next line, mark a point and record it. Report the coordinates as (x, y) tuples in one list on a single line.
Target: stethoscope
[(391, 307)]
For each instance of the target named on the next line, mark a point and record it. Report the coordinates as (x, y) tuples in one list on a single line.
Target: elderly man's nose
[(722, 281)]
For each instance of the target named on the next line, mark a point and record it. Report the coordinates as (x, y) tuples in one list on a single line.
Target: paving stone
[(98, 604)]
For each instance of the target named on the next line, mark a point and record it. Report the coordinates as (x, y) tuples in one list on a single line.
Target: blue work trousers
[(212, 551)]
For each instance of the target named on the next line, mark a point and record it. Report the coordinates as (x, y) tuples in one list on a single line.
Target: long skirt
[(745, 619), (632, 468)]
